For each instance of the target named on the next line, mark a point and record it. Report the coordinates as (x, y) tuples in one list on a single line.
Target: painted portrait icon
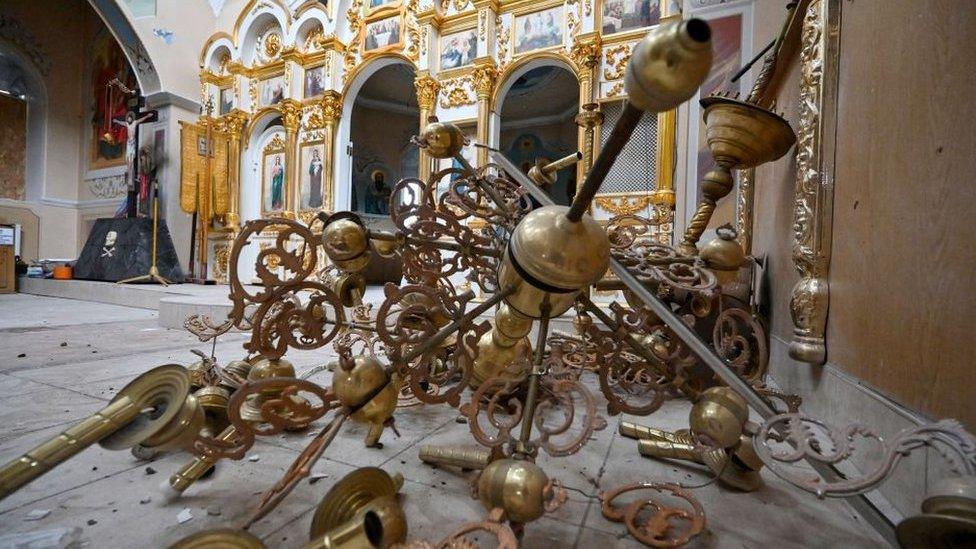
[(538, 30), (274, 182), (459, 49), (625, 15)]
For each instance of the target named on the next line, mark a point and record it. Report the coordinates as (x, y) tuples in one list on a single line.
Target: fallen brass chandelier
[(686, 329)]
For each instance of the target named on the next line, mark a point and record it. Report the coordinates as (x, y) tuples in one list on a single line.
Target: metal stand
[(153, 275)]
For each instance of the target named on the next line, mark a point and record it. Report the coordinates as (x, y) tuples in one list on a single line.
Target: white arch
[(342, 198), (212, 59), (118, 23), (36, 157), (301, 26), (254, 23), (495, 117)]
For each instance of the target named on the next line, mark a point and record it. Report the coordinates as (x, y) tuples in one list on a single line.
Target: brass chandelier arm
[(702, 350), (391, 236)]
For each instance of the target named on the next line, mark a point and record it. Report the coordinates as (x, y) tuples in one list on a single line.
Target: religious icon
[(382, 33), (226, 100), (311, 175), (108, 141), (378, 194), (459, 49), (314, 81), (624, 15), (274, 182), (272, 91), (378, 3), (541, 29), (130, 123)]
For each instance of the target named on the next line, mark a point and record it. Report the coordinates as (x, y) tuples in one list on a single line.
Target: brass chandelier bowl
[(742, 135)]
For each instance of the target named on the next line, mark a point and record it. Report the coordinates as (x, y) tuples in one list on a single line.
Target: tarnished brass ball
[(667, 67), (345, 242), (723, 255), (659, 344), (494, 360), (239, 368), (442, 140), (356, 380), (719, 416), (518, 487), (510, 326)]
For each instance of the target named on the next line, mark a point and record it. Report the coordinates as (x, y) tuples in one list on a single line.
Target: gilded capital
[(586, 52), (331, 106), (427, 89), (484, 77), (291, 114)]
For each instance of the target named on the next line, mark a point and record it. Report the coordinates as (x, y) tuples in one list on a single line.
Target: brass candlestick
[(740, 135), (153, 273), (155, 410), (344, 513)]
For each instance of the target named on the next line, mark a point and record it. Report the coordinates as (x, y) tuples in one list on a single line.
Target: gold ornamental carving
[(624, 204), (455, 92), (277, 144), (482, 24), (427, 89), (744, 201), (354, 17), (503, 37), (272, 44), (221, 259), (412, 26), (813, 193), (616, 90), (314, 118), (586, 54), (615, 61), (291, 114), (459, 5), (484, 78), (332, 106), (314, 39)]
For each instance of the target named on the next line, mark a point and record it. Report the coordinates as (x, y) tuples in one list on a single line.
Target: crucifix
[(133, 119)]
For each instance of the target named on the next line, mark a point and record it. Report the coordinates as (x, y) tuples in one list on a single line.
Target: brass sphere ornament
[(719, 417), (549, 254), (441, 140), (520, 488), (356, 380), (345, 242), (667, 67), (723, 255)]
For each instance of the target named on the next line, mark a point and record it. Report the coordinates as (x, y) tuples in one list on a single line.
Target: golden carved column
[(331, 112), (427, 88), (586, 55), (485, 76), (813, 193), (663, 199), (234, 126), (291, 117)]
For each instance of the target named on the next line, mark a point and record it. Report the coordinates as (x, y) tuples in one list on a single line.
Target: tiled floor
[(61, 360)]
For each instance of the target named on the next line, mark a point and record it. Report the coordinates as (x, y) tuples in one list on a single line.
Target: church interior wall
[(901, 306)]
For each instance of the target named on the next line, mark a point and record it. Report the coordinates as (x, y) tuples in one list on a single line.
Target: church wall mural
[(108, 103), (305, 62)]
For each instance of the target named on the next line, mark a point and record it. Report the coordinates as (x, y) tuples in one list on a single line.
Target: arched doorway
[(536, 122), (384, 116)]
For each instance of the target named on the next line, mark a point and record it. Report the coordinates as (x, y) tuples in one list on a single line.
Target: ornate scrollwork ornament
[(666, 526), (807, 438)]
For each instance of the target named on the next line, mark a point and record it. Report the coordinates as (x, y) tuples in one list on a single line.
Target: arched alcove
[(534, 119), (404, 99), (23, 82)]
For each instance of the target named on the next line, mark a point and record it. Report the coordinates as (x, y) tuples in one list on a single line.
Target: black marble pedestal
[(131, 254)]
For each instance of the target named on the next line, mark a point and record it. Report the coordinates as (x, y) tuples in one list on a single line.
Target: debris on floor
[(184, 516), (37, 514)]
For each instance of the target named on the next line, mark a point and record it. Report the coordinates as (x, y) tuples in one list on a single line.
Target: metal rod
[(389, 236), (745, 68), (532, 397), (619, 137), (563, 162)]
